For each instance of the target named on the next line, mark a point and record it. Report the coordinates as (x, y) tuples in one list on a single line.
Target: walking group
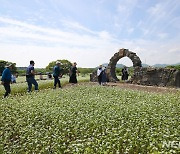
[(57, 74), (6, 79)]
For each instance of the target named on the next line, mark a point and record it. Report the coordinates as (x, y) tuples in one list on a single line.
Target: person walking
[(56, 74), (99, 74), (30, 76), (104, 76), (6, 79), (125, 73), (72, 73)]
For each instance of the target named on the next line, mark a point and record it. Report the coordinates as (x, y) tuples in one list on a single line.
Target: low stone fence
[(156, 77)]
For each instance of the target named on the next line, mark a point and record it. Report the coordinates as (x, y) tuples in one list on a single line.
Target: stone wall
[(93, 76), (156, 77)]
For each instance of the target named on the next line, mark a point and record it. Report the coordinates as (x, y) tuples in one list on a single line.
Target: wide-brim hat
[(58, 62), (8, 64)]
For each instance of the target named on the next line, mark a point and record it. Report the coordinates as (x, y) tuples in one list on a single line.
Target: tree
[(65, 66), (3, 64), (174, 66)]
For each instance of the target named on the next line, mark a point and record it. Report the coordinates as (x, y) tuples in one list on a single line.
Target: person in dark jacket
[(57, 74), (104, 76), (6, 79), (30, 76), (125, 73), (72, 73)]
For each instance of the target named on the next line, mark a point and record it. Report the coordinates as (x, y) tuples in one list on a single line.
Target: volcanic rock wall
[(156, 77), (143, 76)]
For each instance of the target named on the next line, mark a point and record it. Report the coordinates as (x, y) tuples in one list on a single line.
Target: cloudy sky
[(89, 31)]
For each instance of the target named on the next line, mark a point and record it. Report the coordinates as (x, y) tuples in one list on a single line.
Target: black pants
[(73, 78), (7, 88), (100, 79), (57, 81)]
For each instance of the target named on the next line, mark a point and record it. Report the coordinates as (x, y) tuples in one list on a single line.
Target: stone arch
[(111, 69)]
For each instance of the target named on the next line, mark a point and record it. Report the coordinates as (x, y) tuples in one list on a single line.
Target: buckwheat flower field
[(90, 119)]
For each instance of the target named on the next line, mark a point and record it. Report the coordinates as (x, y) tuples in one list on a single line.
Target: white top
[(13, 78), (99, 71)]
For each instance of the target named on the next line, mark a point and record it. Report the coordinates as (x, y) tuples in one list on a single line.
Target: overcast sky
[(89, 31)]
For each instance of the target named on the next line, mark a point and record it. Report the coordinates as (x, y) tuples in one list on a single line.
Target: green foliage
[(174, 66), (131, 70), (86, 70), (21, 72), (65, 66), (89, 119), (3, 64), (119, 71), (41, 70)]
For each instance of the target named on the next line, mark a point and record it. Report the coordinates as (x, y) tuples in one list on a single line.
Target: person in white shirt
[(13, 78), (99, 74)]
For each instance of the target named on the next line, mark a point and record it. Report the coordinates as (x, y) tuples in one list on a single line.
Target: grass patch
[(20, 88), (89, 119)]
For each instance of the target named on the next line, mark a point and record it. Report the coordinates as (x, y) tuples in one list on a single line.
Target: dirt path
[(153, 89)]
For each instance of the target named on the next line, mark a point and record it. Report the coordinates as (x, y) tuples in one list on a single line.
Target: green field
[(89, 119), (20, 87)]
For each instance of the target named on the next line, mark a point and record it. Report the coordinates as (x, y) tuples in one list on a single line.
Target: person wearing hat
[(30, 76), (57, 74), (6, 79), (73, 72)]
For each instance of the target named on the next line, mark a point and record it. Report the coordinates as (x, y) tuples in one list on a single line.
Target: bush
[(3, 64), (65, 66)]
